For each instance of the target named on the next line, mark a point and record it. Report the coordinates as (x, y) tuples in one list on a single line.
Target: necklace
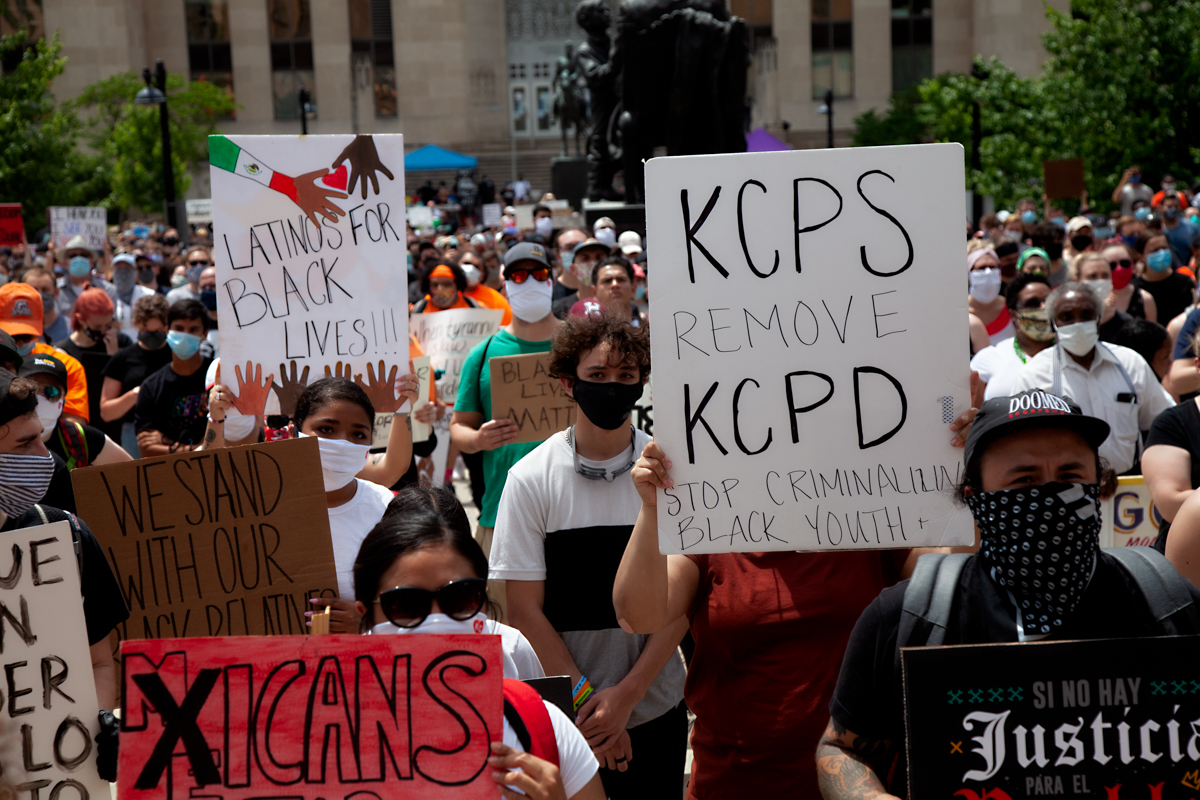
[(596, 473)]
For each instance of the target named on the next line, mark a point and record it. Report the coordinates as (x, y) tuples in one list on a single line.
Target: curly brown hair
[(578, 335)]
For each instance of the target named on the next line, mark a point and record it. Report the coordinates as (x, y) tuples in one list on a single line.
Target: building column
[(872, 57), (250, 46), (331, 63), (792, 28)]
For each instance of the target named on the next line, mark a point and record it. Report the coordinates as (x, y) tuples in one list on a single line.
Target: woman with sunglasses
[(1127, 297), (416, 572)]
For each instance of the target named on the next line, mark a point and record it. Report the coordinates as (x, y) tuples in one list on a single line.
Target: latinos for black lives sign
[(1111, 718), (809, 347), (310, 252), (49, 713), (360, 717)]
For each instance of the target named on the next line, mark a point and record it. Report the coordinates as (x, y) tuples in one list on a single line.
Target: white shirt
[(520, 660), (1095, 391), (998, 367), (576, 763), (349, 524), (124, 311)]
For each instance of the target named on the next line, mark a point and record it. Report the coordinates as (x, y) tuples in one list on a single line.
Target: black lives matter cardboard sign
[(1116, 718), (222, 542), (523, 391), (808, 344)]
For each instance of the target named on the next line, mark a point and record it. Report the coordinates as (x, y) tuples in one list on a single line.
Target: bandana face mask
[(1033, 323), (1040, 544)]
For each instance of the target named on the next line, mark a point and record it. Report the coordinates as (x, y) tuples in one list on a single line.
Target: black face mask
[(1081, 243), (146, 276), (1054, 250), (606, 405), (153, 341)]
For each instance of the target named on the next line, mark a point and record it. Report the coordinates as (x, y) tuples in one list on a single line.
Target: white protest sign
[(809, 348), (50, 707), (1130, 518), (307, 275), (446, 337), (90, 222), (491, 215), (420, 216), (199, 209), (424, 372)]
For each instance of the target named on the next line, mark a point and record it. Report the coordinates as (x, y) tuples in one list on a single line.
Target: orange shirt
[(77, 394), (490, 298)]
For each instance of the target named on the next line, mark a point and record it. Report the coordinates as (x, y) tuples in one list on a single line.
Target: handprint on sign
[(425, 472), (364, 163), (339, 371), (382, 392), (288, 389), (253, 391), (313, 198)]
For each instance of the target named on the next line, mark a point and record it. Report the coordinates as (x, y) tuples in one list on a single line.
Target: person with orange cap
[(21, 318), (443, 286)]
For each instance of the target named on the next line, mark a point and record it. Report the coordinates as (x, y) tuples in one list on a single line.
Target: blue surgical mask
[(183, 344), (1028, 217), (79, 267), (639, 292), (1058, 221), (1159, 260), (1135, 179), (27, 348), (1129, 239), (1142, 214)]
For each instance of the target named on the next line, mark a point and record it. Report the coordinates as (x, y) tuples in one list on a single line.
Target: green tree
[(899, 125), (128, 137), (39, 165)]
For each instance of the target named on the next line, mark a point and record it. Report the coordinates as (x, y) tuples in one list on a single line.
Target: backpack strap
[(483, 360), (1166, 591), (74, 443), (76, 538), (929, 599), (527, 714)]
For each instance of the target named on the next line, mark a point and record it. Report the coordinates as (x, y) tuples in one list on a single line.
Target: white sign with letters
[(90, 222), (809, 348)]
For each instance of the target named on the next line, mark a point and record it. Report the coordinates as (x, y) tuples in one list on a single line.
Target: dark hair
[(1144, 239), (1018, 284), (1045, 233), (579, 334), (612, 261), (395, 536), (542, 207), (460, 277), (437, 498), (1141, 335), (151, 306), (186, 310), (328, 390)]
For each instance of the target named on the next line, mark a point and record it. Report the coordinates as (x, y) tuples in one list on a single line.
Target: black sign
[(1117, 719)]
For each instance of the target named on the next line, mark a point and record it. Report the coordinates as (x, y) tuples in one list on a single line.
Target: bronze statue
[(569, 103), (592, 57)]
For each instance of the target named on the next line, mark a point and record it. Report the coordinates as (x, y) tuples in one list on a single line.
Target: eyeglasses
[(51, 393), (1031, 303), (408, 606), (199, 263), (1123, 262), (522, 275)]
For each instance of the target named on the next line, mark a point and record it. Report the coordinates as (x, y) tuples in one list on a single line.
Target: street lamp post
[(979, 74), (826, 110), (155, 94), (303, 97)]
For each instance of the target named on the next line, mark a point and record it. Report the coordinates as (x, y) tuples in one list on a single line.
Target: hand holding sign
[(650, 474), (535, 777), (364, 163), (382, 392), (252, 393), (496, 433), (288, 389)]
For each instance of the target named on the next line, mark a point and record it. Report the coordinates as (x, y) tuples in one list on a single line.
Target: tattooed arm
[(848, 766)]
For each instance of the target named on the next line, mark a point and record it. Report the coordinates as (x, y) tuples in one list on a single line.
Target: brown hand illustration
[(313, 197), (339, 371), (288, 389), (364, 163), (382, 392), (253, 391)]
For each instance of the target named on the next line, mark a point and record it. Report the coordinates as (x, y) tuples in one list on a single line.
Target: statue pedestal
[(568, 179), (626, 216)]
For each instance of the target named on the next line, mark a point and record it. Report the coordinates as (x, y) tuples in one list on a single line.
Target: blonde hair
[(1084, 258), (977, 244)]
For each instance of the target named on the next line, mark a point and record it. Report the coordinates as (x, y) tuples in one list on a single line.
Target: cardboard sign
[(1064, 177), (90, 222), (12, 225), (49, 711), (321, 717), (306, 274), (447, 337), (424, 372), (1115, 718), (809, 321), (199, 209), (1130, 518), (222, 542), (523, 391), (491, 215)]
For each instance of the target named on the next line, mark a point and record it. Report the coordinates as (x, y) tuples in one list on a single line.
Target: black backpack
[(931, 591)]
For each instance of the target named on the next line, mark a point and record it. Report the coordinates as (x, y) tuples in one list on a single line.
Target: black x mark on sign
[(179, 722)]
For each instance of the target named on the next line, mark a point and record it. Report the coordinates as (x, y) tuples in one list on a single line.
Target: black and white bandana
[(1040, 544)]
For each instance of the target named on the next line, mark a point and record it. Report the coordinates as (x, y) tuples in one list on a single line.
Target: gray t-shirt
[(555, 525), (1131, 193), (182, 293)]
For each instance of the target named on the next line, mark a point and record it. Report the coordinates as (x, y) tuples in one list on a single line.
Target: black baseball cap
[(9, 350), (40, 364), (526, 251), (12, 407), (1035, 408)]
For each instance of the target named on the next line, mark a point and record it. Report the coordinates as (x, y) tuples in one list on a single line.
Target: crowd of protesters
[(789, 686)]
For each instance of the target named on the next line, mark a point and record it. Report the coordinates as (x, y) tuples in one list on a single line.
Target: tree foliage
[(1121, 87), (128, 137)]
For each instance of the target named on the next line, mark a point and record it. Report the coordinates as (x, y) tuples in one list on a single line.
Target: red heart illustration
[(336, 179)]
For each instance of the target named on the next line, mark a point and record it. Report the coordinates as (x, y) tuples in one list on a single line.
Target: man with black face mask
[(566, 514), (1029, 451)]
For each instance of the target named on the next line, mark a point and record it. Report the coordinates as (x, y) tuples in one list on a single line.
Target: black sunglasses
[(1122, 262), (408, 606)]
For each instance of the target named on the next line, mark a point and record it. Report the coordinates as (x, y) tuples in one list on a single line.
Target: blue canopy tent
[(432, 157)]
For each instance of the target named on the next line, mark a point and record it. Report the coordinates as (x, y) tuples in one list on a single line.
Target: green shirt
[(475, 395)]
